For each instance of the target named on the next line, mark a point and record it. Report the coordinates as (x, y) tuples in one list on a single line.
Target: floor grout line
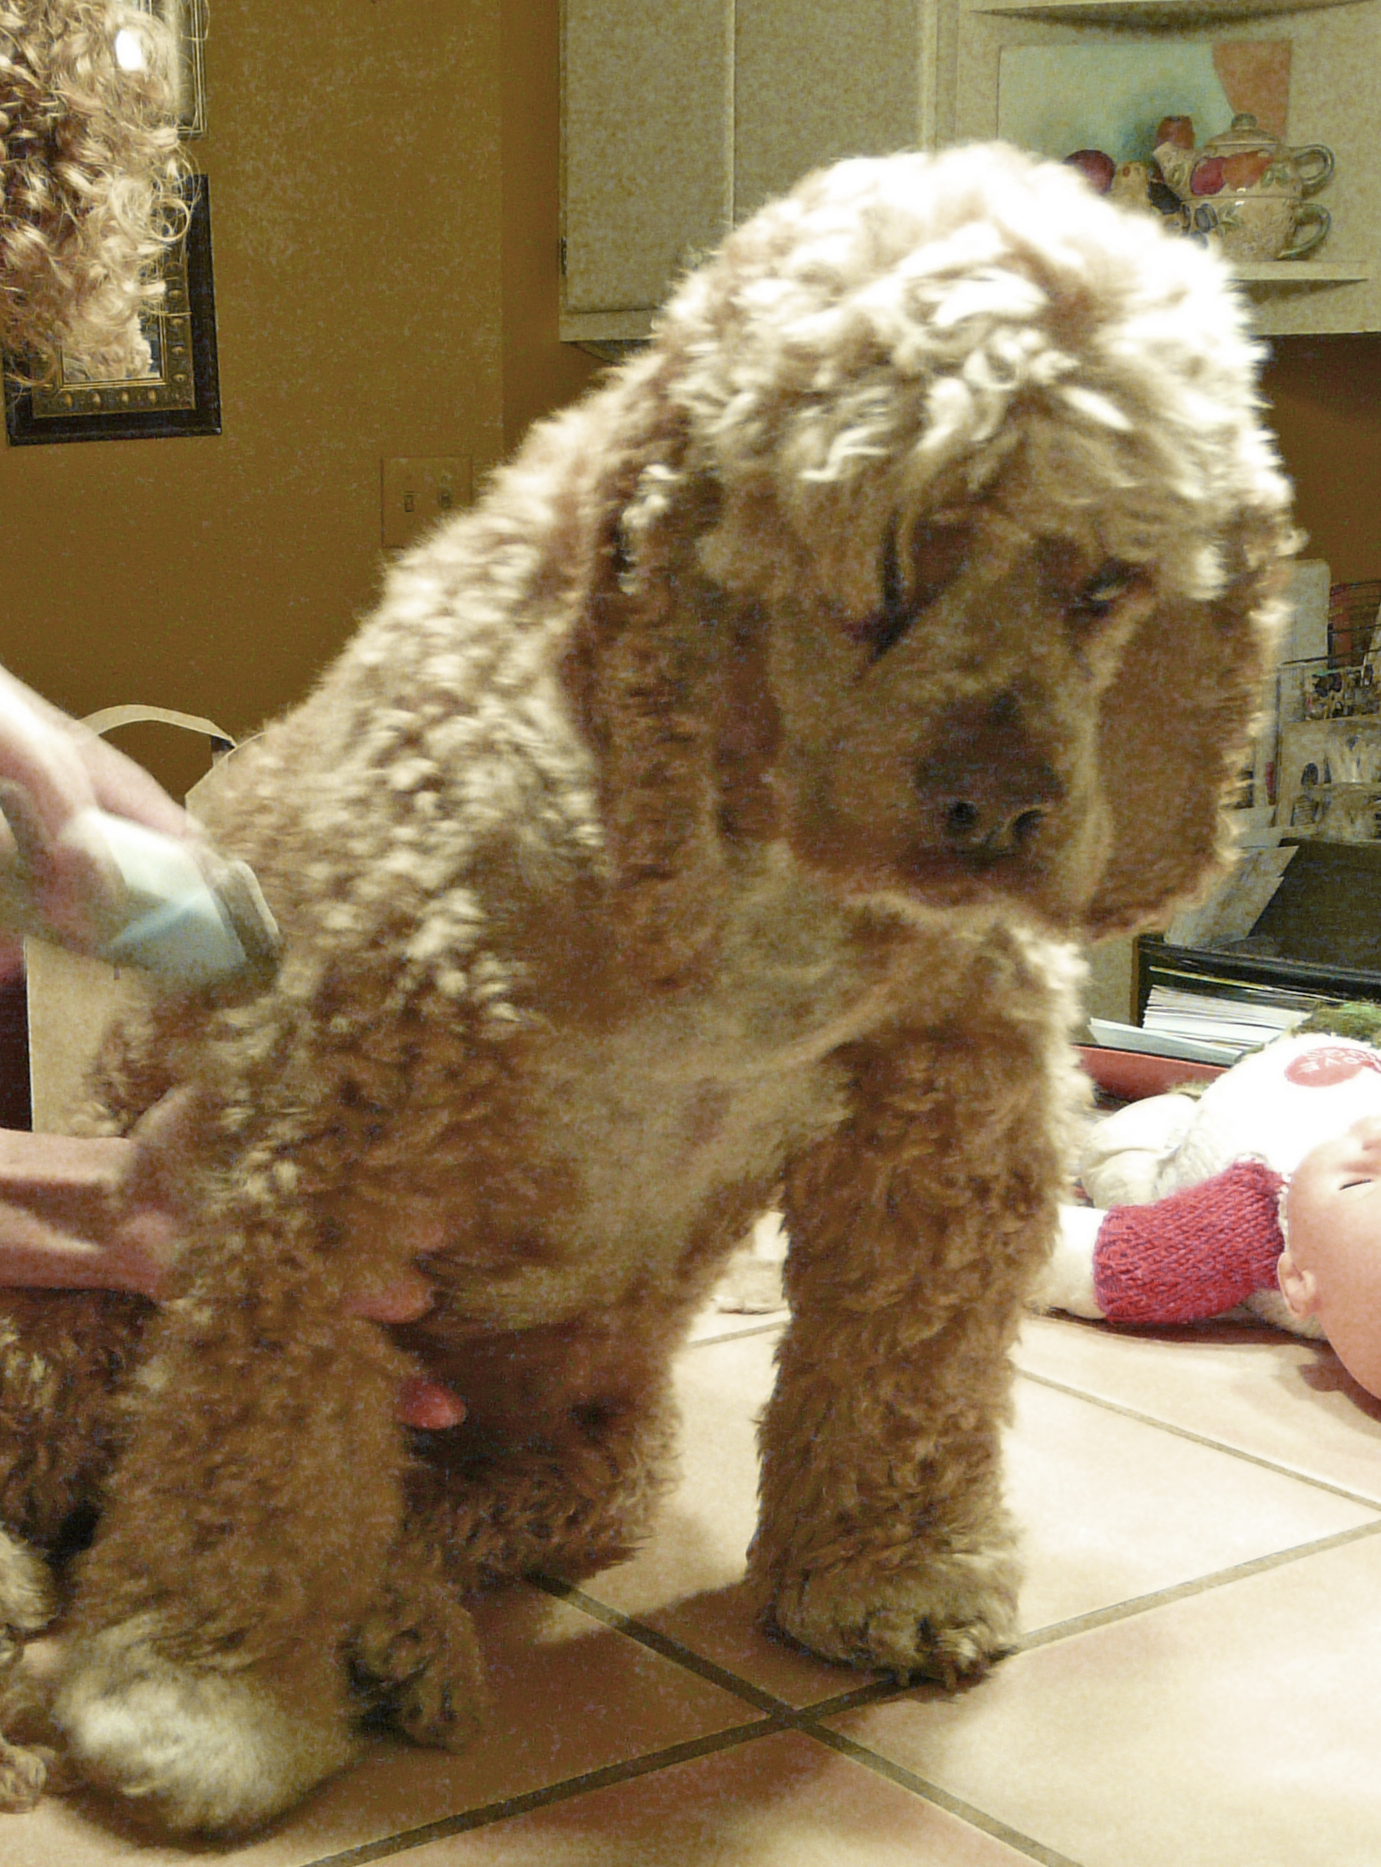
[(877, 1691), (930, 1792), (491, 1812), (880, 1691), (778, 1321), (1115, 1406), (666, 1645), (1184, 1591), (680, 1654), (1200, 1439), (779, 1718), (787, 1714)]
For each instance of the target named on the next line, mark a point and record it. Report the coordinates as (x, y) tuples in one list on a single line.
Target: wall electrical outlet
[(416, 493)]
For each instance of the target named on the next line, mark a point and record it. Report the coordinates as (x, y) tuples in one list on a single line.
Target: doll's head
[(89, 163), (1331, 1266)]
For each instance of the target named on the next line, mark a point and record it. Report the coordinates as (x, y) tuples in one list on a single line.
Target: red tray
[(1131, 1075)]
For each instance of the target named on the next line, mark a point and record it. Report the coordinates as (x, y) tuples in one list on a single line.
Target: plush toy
[(89, 170), (1264, 1193)]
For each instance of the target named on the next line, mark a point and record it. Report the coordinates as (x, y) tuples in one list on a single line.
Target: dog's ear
[(1174, 735), (641, 671)]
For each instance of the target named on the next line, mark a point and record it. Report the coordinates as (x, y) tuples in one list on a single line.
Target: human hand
[(54, 777), (103, 1214)]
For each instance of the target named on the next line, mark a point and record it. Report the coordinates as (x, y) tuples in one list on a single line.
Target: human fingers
[(140, 1254), (126, 790), (51, 789), (39, 758), (66, 767)]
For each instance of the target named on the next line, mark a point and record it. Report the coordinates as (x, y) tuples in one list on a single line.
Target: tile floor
[(1199, 1682)]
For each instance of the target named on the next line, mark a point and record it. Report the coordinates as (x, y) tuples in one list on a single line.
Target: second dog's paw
[(947, 1621), (218, 1752)]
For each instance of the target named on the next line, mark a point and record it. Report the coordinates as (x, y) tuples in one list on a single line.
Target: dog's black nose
[(995, 829), (985, 791)]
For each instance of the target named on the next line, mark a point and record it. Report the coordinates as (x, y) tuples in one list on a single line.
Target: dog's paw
[(947, 1621), (434, 1710), (218, 1752), (24, 1775), (27, 1599), (417, 1658)]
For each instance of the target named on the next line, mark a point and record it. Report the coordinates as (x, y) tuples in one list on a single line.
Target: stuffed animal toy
[(89, 167), (1262, 1194)]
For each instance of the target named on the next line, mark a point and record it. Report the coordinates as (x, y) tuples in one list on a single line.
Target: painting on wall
[(179, 392), (1054, 99)]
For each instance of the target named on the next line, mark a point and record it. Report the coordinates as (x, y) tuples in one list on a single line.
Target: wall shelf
[(1302, 272), (1333, 99), (1141, 14)]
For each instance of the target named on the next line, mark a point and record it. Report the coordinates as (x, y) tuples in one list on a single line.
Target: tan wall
[(384, 222), (1325, 394)]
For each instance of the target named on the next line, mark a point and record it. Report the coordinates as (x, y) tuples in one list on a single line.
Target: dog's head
[(950, 548)]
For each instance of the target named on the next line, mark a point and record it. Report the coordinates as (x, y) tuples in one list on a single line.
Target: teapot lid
[(1242, 134)]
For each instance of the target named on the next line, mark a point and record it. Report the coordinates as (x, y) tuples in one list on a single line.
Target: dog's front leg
[(246, 1529), (883, 1538)]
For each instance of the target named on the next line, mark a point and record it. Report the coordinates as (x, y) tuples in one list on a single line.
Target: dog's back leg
[(244, 1532)]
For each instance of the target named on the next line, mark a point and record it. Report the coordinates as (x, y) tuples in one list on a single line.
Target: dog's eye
[(1103, 591), (936, 555)]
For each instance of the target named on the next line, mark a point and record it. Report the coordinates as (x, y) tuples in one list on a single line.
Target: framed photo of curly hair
[(177, 393), (186, 20)]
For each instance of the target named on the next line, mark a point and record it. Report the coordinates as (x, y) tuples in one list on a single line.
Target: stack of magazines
[(1216, 1027)]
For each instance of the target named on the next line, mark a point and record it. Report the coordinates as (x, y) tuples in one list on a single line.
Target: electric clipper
[(176, 910)]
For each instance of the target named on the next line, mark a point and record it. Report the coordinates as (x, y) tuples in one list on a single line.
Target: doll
[(1264, 1193)]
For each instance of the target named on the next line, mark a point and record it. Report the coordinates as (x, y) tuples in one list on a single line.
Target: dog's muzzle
[(986, 794)]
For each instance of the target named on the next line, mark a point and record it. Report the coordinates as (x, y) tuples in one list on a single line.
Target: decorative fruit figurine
[(1096, 168)]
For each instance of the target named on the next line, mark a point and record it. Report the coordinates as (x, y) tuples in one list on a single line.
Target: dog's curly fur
[(89, 171), (704, 812)]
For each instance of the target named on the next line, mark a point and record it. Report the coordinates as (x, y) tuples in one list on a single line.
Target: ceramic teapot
[(1245, 189)]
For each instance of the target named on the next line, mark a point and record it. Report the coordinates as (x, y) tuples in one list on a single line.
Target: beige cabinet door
[(648, 127), (681, 117), (815, 80)]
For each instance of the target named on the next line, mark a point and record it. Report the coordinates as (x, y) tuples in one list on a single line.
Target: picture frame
[(186, 20), (180, 395)]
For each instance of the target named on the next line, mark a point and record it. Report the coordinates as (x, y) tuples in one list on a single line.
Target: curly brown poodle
[(710, 810)]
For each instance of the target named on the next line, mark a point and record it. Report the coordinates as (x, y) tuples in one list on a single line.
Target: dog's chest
[(640, 1142)]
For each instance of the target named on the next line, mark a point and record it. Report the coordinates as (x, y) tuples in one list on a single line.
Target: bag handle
[(109, 718)]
